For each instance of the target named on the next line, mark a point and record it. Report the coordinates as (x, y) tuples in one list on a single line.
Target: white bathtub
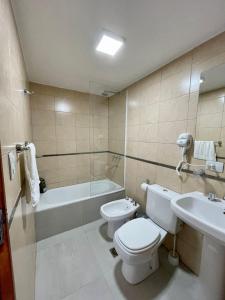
[(68, 207)]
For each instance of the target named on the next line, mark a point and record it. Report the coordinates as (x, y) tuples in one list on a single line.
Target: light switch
[(215, 166)]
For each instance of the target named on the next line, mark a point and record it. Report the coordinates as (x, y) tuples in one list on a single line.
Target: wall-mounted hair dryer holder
[(184, 141)]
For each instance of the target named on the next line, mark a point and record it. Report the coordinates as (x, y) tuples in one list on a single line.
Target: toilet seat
[(139, 235), (148, 248)]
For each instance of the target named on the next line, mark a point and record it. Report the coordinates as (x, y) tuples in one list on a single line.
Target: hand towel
[(205, 150), (32, 173)]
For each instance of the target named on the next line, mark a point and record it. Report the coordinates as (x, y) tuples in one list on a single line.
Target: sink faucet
[(133, 202), (212, 197)]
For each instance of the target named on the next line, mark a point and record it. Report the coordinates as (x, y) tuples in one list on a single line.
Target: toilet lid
[(138, 234)]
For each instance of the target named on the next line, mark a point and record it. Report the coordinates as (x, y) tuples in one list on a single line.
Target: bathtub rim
[(40, 205)]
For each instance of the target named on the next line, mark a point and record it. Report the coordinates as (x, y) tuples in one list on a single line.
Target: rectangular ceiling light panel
[(109, 45)]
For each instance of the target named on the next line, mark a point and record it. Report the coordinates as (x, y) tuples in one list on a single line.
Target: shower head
[(26, 92), (108, 93)]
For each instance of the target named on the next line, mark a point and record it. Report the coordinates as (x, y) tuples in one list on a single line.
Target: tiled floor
[(77, 265)]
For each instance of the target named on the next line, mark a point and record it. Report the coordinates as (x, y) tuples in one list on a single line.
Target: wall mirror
[(210, 124)]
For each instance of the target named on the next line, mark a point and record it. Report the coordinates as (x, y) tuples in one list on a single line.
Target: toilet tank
[(158, 208)]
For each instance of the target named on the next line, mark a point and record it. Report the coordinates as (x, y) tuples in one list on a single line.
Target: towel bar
[(22, 147), (219, 143)]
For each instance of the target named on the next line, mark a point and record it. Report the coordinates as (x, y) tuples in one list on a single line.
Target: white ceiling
[(59, 37)]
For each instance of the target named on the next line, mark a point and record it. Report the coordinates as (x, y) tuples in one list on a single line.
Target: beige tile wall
[(15, 127), (66, 121), (117, 119), (117, 123), (160, 107)]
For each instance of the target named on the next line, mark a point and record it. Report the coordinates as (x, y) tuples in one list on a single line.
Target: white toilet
[(117, 213), (137, 241)]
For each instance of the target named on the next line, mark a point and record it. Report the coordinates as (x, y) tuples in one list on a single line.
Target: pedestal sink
[(209, 218)]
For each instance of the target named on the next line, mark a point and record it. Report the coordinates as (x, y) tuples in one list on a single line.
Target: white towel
[(12, 164), (32, 173), (205, 150)]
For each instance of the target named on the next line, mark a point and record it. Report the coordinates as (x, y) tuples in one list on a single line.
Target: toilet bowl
[(137, 244), (137, 241), (118, 212)]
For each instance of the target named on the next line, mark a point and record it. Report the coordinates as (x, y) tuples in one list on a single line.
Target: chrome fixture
[(218, 144), (27, 92), (199, 172), (134, 202), (212, 197), (108, 93), (202, 79), (116, 157), (22, 147)]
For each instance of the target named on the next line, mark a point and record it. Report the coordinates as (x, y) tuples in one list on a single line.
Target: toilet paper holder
[(145, 184)]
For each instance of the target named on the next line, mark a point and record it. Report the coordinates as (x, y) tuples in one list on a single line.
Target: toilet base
[(137, 273), (113, 226)]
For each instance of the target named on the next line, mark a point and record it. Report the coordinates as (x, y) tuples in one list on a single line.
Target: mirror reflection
[(211, 111)]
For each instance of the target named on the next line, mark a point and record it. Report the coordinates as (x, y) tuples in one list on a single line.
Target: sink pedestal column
[(212, 271)]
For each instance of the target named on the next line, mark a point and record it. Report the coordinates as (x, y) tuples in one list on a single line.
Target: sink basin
[(209, 218), (206, 216)]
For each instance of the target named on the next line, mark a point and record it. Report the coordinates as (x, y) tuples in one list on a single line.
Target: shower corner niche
[(107, 137)]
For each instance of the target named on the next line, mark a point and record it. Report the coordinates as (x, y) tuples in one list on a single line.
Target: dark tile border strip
[(73, 153), (115, 153), (221, 157), (15, 207), (138, 159), (167, 166), (174, 168)]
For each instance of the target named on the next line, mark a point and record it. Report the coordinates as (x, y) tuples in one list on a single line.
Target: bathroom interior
[(112, 143)]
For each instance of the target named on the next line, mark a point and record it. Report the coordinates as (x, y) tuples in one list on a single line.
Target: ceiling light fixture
[(109, 44), (202, 79)]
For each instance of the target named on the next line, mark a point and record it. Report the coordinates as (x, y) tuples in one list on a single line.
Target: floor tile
[(93, 291), (78, 265), (64, 267)]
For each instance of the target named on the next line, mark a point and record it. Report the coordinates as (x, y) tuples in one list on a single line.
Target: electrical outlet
[(215, 166)]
